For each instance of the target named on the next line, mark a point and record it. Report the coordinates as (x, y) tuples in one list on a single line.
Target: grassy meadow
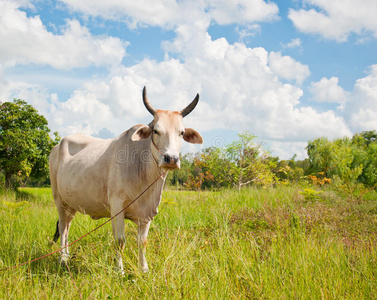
[(278, 243)]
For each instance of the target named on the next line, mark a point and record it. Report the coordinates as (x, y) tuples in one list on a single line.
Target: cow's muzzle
[(171, 162)]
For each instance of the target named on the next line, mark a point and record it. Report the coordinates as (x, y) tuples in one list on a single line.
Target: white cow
[(101, 177)]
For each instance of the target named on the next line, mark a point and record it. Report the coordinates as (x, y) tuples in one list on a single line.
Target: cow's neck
[(155, 152), (154, 162)]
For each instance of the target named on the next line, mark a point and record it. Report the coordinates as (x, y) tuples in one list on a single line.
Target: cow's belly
[(85, 194), (96, 208)]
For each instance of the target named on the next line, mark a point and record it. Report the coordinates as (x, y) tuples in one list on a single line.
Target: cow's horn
[(190, 107), (147, 103)]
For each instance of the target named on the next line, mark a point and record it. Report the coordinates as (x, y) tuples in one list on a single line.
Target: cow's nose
[(168, 159)]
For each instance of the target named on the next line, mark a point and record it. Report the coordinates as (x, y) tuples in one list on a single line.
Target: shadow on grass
[(22, 195), (35, 195)]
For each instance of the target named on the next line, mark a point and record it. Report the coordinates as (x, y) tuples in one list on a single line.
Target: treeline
[(247, 162)]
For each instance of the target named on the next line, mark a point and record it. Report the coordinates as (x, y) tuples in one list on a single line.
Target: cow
[(100, 177)]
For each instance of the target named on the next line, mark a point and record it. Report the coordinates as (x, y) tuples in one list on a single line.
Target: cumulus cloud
[(226, 12), (27, 41), (238, 92), (337, 19), (362, 109), (35, 93), (285, 150), (161, 13), (172, 13), (239, 89), (328, 90), (364, 119), (358, 107), (288, 68)]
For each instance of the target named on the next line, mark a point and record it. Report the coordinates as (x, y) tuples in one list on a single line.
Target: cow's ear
[(192, 136), (141, 133)]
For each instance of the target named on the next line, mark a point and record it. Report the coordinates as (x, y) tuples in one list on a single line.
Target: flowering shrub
[(317, 180)]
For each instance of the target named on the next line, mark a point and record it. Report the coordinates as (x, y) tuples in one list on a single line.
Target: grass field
[(278, 243)]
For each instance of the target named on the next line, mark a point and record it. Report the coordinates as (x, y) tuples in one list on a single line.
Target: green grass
[(282, 243)]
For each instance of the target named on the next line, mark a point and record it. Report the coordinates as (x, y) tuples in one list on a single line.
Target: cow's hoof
[(144, 269), (63, 259), (120, 271)]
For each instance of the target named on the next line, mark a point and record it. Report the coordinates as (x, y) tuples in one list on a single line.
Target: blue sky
[(287, 71)]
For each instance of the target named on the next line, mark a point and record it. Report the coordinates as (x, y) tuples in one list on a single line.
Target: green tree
[(25, 142), (240, 163), (199, 171), (369, 136), (365, 152), (352, 160), (338, 158), (370, 170), (290, 170), (247, 162)]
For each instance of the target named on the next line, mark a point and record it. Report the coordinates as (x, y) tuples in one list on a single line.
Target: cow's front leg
[(142, 235), (120, 239)]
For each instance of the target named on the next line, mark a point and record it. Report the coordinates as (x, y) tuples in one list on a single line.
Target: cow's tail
[(57, 234)]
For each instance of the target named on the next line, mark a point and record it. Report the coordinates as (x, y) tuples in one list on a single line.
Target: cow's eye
[(182, 133), (155, 131)]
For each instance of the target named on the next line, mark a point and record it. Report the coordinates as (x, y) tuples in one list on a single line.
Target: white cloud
[(278, 117), (328, 90), (294, 43), (288, 68), (359, 106), (337, 19), (362, 109), (172, 13), (27, 41), (161, 13), (364, 119), (248, 31), (34, 93), (239, 92), (286, 150), (226, 12), (238, 88)]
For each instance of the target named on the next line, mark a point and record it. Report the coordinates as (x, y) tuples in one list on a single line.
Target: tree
[(365, 152), (331, 157), (290, 170), (369, 136), (25, 142), (240, 163), (247, 162), (351, 160)]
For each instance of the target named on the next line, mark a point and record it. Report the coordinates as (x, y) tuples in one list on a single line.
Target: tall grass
[(277, 243)]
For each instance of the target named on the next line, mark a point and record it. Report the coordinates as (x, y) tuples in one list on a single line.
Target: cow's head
[(167, 132)]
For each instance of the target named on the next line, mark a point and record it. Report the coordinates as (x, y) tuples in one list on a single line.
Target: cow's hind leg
[(65, 218), (119, 236), (142, 235)]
